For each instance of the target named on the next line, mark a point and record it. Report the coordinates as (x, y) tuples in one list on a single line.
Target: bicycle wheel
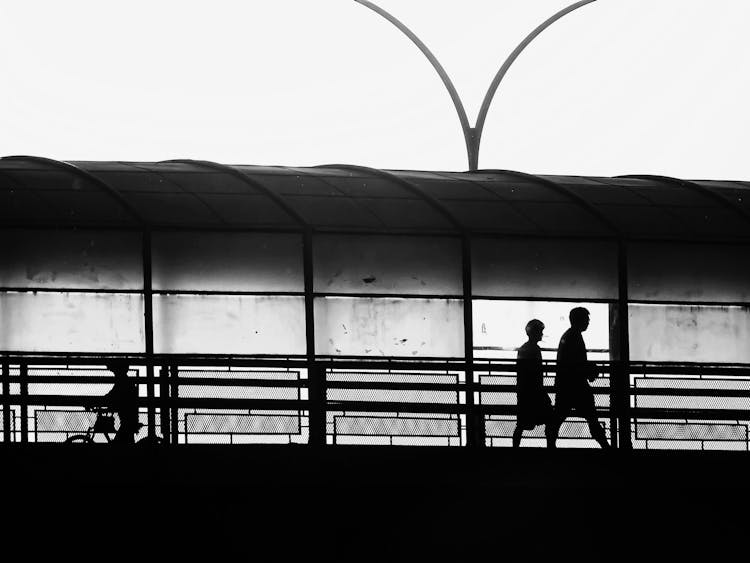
[(78, 439)]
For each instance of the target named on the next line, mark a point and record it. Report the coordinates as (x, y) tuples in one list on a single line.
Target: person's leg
[(557, 416), (588, 411), (517, 435)]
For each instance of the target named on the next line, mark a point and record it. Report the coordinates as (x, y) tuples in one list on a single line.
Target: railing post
[(316, 393), (23, 379), (6, 402), (623, 406), (623, 343), (164, 404), (475, 427), (151, 398), (614, 402), (174, 395)]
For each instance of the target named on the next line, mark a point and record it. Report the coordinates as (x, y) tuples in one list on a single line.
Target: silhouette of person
[(534, 406), (574, 372), (123, 399)]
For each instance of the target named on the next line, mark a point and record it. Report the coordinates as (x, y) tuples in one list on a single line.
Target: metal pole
[(174, 396), (148, 325), (475, 427), (465, 127), (164, 404), (623, 373), (473, 135), (6, 402), (23, 377), (316, 393)]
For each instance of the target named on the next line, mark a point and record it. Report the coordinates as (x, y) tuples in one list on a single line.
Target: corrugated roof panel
[(408, 214), (564, 218), (248, 210), (668, 195), (286, 182), (128, 179), (201, 194), (717, 221), (520, 190), (644, 221), (735, 193), (333, 212), (493, 216), (446, 190), (599, 193), (172, 209), (356, 183)]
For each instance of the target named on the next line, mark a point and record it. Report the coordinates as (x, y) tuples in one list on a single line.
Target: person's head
[(579, 318), (535, 330)]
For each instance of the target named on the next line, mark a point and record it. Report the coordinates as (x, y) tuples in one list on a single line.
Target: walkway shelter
[(344, 304)]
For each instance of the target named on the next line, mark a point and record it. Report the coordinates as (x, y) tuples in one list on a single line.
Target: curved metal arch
[(473, 135), (75, 170), (465, 126), (703, 190), (481, 117), (408, 186), (574, 197), (247, 180)]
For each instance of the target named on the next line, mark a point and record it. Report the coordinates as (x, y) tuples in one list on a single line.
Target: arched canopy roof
[(190, 194)]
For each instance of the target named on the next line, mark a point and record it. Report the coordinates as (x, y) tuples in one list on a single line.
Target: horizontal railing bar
[(241, 382), (691, 414), (395, 386)]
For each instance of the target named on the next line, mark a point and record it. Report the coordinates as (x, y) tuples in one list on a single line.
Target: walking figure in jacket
[(574, 372)]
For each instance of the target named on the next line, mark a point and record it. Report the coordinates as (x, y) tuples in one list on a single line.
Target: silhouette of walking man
[(574, 372), (534, 406), (123, 399)]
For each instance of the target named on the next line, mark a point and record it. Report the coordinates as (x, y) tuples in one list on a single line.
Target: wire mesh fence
[(659, 406)]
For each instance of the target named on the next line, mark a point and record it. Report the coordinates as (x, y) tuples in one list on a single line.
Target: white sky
[(617, 87)]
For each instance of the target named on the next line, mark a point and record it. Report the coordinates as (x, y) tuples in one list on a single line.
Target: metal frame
[(316, 364)]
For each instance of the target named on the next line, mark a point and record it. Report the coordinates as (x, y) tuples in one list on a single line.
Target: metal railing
[(373, 401)]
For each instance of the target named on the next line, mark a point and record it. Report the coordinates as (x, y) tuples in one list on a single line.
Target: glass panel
[(689, 333), (387, 264), (71, 322), (227, 262), (499, 327), (229, 324), (544, 268), (688, 272), (353, 326), (71, 260)]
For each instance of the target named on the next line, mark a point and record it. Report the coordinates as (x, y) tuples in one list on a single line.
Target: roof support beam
[(703, 190), (406, 185), (572, 196), (98, 182), (255, 184)]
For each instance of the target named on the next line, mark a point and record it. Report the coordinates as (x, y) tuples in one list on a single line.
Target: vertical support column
[(621, 373), (23, 379), (475, 428), (148, 330), (6, 402), (164, 404), (174, 395), (316, 375)]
